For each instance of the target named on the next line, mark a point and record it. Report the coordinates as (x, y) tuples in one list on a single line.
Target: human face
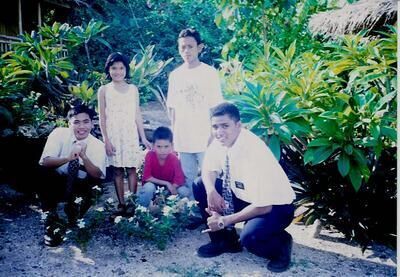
[(189, 50), (163, 148), (81, 125), (225, 129), (117, 72)]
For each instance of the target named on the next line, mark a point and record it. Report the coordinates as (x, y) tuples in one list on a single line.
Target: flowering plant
[(166, 216)]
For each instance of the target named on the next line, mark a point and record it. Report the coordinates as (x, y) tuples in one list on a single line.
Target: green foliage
[(144, 72), (254, 23), (133, 24), (335, 114), (37, 72)]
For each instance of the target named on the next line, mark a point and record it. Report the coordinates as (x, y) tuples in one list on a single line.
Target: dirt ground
[(23, 253)]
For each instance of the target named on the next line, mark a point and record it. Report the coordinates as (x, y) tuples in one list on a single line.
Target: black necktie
[(226, 189), (73, 168)]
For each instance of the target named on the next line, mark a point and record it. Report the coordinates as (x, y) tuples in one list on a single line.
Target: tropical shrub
[(332, 116), (35, 75)]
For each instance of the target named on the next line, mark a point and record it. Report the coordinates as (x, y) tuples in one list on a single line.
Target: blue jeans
[(191, 163), (263, 235), (147, 191)]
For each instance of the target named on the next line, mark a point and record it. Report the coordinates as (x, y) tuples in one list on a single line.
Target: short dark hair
[(190, 32), (228, 109), (81, 109), (117, 57), (163, 133)]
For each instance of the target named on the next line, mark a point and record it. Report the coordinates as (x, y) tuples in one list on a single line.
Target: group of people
[(240, 180)]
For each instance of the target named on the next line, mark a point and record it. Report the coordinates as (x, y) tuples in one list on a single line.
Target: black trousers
[(52, 190), (263, 235)]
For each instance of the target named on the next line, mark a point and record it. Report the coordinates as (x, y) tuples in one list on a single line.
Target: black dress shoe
[(214, 249), (282, 262)]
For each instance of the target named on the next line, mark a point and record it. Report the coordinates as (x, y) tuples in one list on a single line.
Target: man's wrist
[(221, 222)]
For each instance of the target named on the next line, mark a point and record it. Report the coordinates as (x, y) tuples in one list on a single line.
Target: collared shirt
[(256, 176), (60, 142)]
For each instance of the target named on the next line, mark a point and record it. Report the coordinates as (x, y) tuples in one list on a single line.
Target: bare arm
[(59, 161), (55, 161), (110, 150), (214, 199), (249, 212), (171, 187), (91, 169), (101, 99)]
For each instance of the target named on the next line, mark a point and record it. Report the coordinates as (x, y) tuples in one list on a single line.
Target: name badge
[(239, 185)]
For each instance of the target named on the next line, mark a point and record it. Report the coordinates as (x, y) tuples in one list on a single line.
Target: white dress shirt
[(59, 144), (256, 176)]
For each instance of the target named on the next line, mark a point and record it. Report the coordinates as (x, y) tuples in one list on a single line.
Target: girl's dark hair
[(162, 133), (116, 57), (190, 32)]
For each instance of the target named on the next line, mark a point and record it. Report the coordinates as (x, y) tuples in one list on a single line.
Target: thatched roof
[(351, 18)]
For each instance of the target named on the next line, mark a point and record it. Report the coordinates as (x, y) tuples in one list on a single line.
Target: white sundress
[(121, 126)]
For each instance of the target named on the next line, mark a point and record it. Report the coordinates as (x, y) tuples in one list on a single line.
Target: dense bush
[(334, 117)]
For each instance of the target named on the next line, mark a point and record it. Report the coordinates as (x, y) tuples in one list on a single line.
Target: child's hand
[(172, 189), (110, 149)]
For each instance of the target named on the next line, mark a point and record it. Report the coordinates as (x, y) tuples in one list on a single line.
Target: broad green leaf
[(321, 154), (275, 146), (343, 164), (389, 132), (320, 142), (355, 178)]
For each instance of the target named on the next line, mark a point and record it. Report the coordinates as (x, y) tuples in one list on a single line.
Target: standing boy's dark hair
[(226, 109), (81, 109), (190, 32), (162, 133), (116, 57)]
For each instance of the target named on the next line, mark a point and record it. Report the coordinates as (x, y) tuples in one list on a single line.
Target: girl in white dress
[(120, 123)]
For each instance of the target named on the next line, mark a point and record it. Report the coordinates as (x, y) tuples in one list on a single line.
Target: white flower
[(81, 223), (160, 189), (172, 197), (110, 200), (56, 230), (128, 194), (141, 209), (43, 215), (78, 200), (167, 210), (100, 209), (118, 219), (192, 203), (97, 188), (130, 219), (183, 200)]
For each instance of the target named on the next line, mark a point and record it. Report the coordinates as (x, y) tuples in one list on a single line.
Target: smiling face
[(163, 148), (189, 50), (225, 129), (117, 71), (81, 125)]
